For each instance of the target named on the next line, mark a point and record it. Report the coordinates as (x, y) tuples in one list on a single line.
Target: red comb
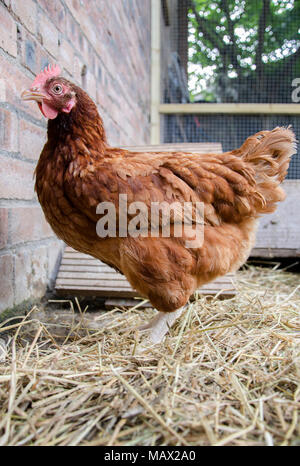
[(48, 72)]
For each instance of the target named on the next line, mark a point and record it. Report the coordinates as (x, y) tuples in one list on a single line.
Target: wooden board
[(278, 234), (230, 108), (196, 147), (80, 274)]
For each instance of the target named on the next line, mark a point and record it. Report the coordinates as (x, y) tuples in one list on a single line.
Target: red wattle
[(48, 111)]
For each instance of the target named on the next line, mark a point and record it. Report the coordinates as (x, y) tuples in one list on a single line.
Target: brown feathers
[(77, 170)]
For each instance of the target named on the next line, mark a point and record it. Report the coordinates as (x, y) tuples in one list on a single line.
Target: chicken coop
[(224, 70)]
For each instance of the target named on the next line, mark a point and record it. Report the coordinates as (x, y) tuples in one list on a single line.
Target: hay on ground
[(228, 373)]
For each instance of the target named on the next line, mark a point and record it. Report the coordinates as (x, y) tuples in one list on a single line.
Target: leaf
[(229, 44)]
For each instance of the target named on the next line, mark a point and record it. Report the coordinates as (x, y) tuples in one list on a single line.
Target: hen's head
[(53, 93)]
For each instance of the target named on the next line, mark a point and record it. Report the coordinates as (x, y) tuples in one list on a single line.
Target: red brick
[(26, 12), (16, 82), (66, 56), (43, 60), (9, 132), (16, 179), (72, 30), (56, 12), (3, 227), (32, 140), (6, 288), (39, 272), (76, 8), (49, 34), (2, 90), (29, 50), (91, 85), (28, 224), (77, 70), (22, 262), (8, 32), (112, 130), (30, 273)]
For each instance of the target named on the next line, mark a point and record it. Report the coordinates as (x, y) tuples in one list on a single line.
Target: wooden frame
[(257, 109)]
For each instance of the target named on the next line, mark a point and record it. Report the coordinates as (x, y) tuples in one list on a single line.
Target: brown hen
[(78, 170)]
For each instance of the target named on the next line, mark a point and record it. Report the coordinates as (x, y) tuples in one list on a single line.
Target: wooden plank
[(200, 148), (96, 286), (127, 293), (88, 276), (244, 109), (75, 274), (108, 273), (93, 282), (86, 268), (70, 263), (279, 232), (272, 253), (121, 293), (105, 290), (118, 282), (78, 255), (112, 279), (102, 293)]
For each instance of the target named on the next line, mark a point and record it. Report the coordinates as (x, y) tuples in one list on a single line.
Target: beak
[(32, 95)]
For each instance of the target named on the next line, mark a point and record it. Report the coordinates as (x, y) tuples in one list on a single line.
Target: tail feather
[(269, 153)]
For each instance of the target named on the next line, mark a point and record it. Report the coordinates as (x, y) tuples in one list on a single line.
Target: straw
[(228, 372)]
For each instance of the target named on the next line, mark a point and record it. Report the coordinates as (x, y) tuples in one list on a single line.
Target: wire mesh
[(230, 130), (225, 51)]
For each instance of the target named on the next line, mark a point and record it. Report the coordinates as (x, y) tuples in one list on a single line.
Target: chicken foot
[(160, 324)]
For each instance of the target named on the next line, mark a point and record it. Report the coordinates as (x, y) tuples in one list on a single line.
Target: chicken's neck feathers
[(82, 126)]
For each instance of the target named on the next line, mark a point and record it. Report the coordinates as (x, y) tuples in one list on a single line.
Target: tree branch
[(229, 53), (261, 35), (205, 28), (233, 48)]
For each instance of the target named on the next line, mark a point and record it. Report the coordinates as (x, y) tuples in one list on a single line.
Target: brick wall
[(102, 46)]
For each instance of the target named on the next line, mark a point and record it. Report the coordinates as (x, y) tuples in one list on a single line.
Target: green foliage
[(243, 42)]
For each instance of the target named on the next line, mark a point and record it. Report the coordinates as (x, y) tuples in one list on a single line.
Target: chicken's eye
[(57, 89)]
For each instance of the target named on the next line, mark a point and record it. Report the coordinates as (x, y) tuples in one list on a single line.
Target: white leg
[(161, 323)]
